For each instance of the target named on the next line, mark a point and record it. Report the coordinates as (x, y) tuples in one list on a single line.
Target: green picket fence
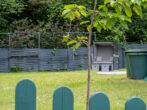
[(63, 99)]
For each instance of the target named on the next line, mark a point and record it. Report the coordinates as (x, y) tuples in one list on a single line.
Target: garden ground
[(117, 87)]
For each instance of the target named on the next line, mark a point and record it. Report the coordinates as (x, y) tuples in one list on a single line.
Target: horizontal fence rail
[(63, 99)]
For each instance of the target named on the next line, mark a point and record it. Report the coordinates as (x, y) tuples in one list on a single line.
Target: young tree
[(106, 16)]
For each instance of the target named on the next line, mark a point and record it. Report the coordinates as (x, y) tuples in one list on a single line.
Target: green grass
[(117, 87), (123, 69)]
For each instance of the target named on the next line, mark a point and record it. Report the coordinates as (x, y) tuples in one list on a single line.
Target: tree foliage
[(112, 14)]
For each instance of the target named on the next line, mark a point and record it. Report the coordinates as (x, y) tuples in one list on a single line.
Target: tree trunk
[(89, 57)]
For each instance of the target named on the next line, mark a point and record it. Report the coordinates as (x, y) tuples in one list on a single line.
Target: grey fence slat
[(63, 99), (23, 52), (4, 60), (48, 52), (26, 64), (99, 101), (135, 103), (79, 60), (3, 52), (25, 95)]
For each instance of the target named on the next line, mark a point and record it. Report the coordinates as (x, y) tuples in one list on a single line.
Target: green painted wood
[(145, 79), (99, 101), (63, 99), (25, 95), (135, 103)]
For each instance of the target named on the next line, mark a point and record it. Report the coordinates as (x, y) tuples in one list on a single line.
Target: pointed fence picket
[(63, 99)]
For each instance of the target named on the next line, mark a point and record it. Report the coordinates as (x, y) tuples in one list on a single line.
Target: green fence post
[(63, 99), (135, 103), (99, 101), (25, 95)]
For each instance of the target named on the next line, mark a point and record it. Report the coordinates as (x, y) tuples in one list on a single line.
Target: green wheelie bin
[(136, 63)]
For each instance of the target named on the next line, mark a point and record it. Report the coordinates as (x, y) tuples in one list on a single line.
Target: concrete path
[(113, 72)]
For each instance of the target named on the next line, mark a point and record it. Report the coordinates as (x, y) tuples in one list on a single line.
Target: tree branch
[(89, 57)]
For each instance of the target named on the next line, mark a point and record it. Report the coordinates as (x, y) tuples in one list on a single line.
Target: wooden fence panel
[(24, 59), (63, 99), (78, 59), (53, 60), (135, 103), (25, 95), (99, 101), (4, 60)]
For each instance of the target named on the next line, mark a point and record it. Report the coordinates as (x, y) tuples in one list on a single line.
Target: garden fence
[(63, 99), (40, 51), (45, 51)]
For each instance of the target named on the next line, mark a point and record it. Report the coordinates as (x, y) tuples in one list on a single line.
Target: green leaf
[(128, 3), (124, 24), (70, 16), (76, 46), (138, 10), (103, 13), (95, 24), (99, 28), (71, 6), (118, 9), (121, 17), (81, 7), (88, 27), (104, 21), (83, 13), (113, 3), (84, 38), (101, 6), (138, 2), (76, 14), (111, 14), (65, 38), (128, 11), (128, 19), (106, 1), (84, 22), (66, 11), (105, 9), (144, 5), (110, 23), (71, 42)]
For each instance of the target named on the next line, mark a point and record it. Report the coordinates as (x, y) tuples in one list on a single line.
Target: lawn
[(117, 87)]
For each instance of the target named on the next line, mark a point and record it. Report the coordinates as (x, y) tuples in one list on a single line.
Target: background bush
[(45, 16)]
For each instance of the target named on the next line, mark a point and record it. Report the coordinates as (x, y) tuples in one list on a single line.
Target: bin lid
[(136, 51)]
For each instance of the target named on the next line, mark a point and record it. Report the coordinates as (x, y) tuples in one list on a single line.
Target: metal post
[(9, 38), (38, 51), (94, 36), (68, 55)]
